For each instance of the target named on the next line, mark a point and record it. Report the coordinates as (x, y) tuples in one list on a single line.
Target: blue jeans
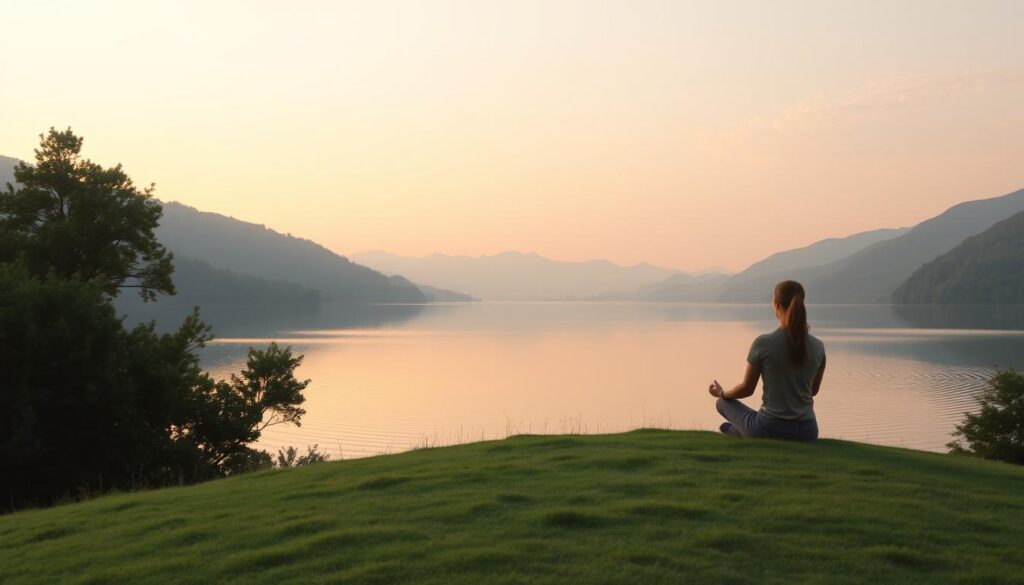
[(747, 422)]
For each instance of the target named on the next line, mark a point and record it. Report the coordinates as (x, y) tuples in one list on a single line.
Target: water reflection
[(264, 321), (1000, 317), (400, 376)]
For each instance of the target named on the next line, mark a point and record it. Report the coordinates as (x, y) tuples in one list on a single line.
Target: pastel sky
[(684, 134)]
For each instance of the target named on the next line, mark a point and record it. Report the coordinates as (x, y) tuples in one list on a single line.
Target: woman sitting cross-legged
[(791, 362)]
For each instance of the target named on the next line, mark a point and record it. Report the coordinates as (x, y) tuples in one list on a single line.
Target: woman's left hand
[(715, 389)]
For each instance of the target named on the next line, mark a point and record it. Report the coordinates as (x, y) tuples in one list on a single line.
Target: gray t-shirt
[(786, 388)]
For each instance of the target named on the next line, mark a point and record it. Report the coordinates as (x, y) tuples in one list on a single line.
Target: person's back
[(791, 362), (787, 389)]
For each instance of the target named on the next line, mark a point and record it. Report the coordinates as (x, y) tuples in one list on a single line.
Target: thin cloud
[(870, 101)]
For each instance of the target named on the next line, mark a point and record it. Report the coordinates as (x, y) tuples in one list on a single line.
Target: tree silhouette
[(71, 217)]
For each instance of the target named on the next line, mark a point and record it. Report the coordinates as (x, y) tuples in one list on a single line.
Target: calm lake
[(387, 378)]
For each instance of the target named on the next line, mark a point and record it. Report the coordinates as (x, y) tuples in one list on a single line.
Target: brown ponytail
[(789, 295)]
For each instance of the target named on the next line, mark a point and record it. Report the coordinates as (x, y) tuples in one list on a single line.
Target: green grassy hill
[(641, 507)]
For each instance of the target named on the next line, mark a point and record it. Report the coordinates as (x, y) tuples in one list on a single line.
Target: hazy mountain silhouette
[(247, 248), (441, 295), (709, 287), (984, 269), (865, 267), (216, 292), (7, 165), (872, 274), (235, 303), (199, 283), (517, 276), (817, 254), (683, 287)]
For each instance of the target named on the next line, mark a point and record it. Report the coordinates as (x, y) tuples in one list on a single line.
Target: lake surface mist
[(395, 377)]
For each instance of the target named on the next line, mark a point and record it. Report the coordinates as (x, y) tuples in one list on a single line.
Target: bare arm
[(741, 390), (818, 379)]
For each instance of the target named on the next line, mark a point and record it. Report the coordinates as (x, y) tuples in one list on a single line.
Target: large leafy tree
[(86, 405), (69, 216), (89, 406)]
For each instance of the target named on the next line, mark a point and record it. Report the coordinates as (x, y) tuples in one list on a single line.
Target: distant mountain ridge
[(872, 274), (516, 276), (750, 284), (683, 287), (866, 267), (817, 254), (984, 269), (762, 275), (212, 289), (261, 257), (440, 295), (247, 248)]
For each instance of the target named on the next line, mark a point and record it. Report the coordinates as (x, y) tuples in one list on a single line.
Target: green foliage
[(247, 460), (69, 417), (634, 508), (269, 388), (290, 457), (74, 218), (996, 431), (233, 414), (90, 406), (86, 405)]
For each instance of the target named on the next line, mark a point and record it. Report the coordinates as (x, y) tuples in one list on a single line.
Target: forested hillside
[(247, 248), (872, 274), (985, 269)]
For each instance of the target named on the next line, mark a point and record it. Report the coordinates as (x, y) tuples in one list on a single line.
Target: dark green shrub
[(290, 457), (996, 431)]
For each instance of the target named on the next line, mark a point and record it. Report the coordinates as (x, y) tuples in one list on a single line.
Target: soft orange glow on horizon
[(688, 135)]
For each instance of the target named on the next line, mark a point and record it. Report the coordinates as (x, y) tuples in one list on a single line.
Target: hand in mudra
[(715, 389)]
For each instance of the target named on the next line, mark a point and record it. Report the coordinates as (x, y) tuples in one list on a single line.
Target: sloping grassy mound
[(641, 507)]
